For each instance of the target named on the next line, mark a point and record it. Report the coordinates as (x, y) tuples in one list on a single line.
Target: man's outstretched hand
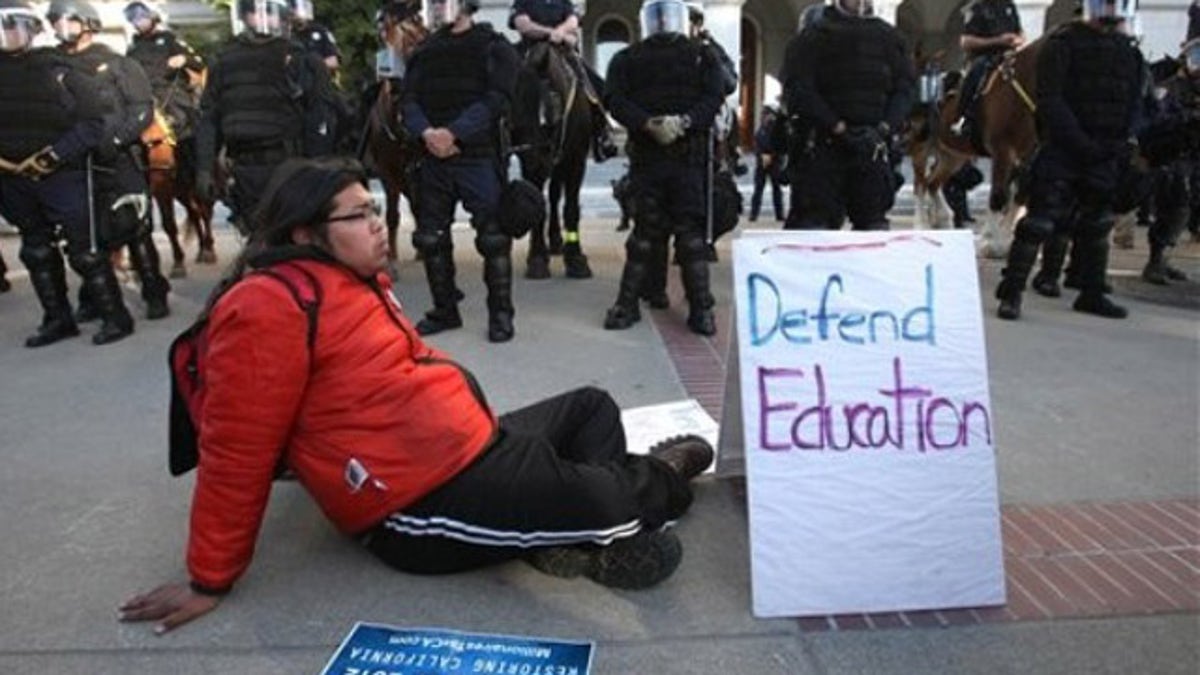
[(172, 605)]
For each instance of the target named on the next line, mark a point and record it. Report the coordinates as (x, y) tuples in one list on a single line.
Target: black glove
[(204, 186)]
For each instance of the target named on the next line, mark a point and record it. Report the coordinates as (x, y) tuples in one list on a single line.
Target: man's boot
[(654, 284), (439, 270), (624, 313), (85, 310), (116, 322), (48, 278), (1155, 270), (700, 301), (497, 275), (1091, 260), (956, 199), (1095, 302), (1054, 255), (1012, 284), (144, 258)]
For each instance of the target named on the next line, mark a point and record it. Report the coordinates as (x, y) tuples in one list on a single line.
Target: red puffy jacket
[(371, 421)]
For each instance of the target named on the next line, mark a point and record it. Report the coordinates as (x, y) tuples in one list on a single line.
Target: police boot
[(1091, 260), (5, 286), (654, 284), (439, 270), (1155, 270), (49, 281), (145, 261), (1054, 254), (497, 275), (624, 313), (106, 293), (956, 199), (700, 301), (85, 309)]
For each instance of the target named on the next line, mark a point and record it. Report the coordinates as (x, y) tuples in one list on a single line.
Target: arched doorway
[(748, 89), (612, 35)]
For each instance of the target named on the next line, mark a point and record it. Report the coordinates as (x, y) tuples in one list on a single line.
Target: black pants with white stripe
[(558, 475)]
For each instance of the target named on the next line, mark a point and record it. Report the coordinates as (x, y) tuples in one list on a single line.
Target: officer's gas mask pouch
[(17, 29)]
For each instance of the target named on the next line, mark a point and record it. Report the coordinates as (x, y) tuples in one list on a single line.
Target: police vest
[(260, 102), (35, 111), (856, 68), (666, 76), (453, 73), (152, 52), (1102, 80)]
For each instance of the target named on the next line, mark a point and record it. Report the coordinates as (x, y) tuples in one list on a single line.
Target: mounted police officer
[(1171, 144), (266, 100), (171, 66), (1089, 84), (850, 78), (557, 22), (992, 28), (122, 200), (459, 86), (666, 92), (51, 118)]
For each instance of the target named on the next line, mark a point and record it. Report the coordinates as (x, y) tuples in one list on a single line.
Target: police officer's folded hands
[(440, 142), (666, 129)]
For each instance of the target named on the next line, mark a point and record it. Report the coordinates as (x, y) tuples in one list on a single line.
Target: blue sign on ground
[(378, 649)]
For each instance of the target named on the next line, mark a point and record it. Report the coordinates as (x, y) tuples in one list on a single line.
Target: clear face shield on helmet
[(1190, 56), (140, 16), (67, 29), (440, 13), (18, 27), (302, 10), (660, 17), (1111, 12), (855, 8), (266, 18)]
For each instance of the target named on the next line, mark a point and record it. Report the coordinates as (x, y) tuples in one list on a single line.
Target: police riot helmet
[(62, 13), (266, 18), (302, 10), (1189, 55), (664, 17), (855, 8), (141, 15), (1109, 11), (522, 208), (811, 16), (440, 13), (19, 23)]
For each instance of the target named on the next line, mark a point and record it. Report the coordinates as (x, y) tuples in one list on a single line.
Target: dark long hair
[(300, 193)]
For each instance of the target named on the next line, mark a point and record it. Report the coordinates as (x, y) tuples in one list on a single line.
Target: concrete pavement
[(1087, 411)]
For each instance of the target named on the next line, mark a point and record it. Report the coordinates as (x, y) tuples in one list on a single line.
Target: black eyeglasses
[(374, 210)]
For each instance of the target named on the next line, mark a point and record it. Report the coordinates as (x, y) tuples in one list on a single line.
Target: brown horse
[(1008, 135), (168, 185), (557, 154), (920, 141), (384, 143)]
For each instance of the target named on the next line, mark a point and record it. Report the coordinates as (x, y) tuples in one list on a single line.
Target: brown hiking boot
[(688, 455), (640, 561)]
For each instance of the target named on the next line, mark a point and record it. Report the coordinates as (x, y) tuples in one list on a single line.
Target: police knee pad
[(639, 247), (429, 241), (86, 263), (691, 248), (38, 255), (648, 213), (1034, 229), (492, 242)]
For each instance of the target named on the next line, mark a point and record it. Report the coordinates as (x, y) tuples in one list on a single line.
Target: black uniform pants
[(39, 208), (1176, 202), (835, 182), (762, 174), (558, 475)]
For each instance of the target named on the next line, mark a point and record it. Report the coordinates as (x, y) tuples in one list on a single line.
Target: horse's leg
[(997, 231), (945, 165), (920, 157), (537, 260), (162, 190), (574, 260), (554, 234)]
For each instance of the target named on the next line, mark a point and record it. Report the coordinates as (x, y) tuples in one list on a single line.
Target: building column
[(723, 19)]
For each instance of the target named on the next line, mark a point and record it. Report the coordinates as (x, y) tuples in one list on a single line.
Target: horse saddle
[(159, 140)]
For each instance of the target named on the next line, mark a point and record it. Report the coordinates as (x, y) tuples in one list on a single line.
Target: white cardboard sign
[(869, 432)]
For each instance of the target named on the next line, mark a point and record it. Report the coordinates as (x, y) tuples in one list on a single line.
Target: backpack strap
[(305, 290)]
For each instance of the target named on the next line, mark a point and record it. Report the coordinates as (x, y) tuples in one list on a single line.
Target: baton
[(709, 183), (91, 203)]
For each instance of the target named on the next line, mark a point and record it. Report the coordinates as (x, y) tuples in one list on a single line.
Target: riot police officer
[(123, 199), (1089, 83), (557, 22), (169, 63), (1171, 143), (51, 118), (666, 92), (460, 83), (315, 37), (266, 100), (850, 79), (991, 28)]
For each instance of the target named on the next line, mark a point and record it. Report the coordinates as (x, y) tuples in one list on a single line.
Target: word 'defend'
[(772, 319)]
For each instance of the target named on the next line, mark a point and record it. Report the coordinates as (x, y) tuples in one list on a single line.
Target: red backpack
[(186, 359)]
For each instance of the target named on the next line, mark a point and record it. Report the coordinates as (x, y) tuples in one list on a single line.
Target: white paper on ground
[(650, 424)]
